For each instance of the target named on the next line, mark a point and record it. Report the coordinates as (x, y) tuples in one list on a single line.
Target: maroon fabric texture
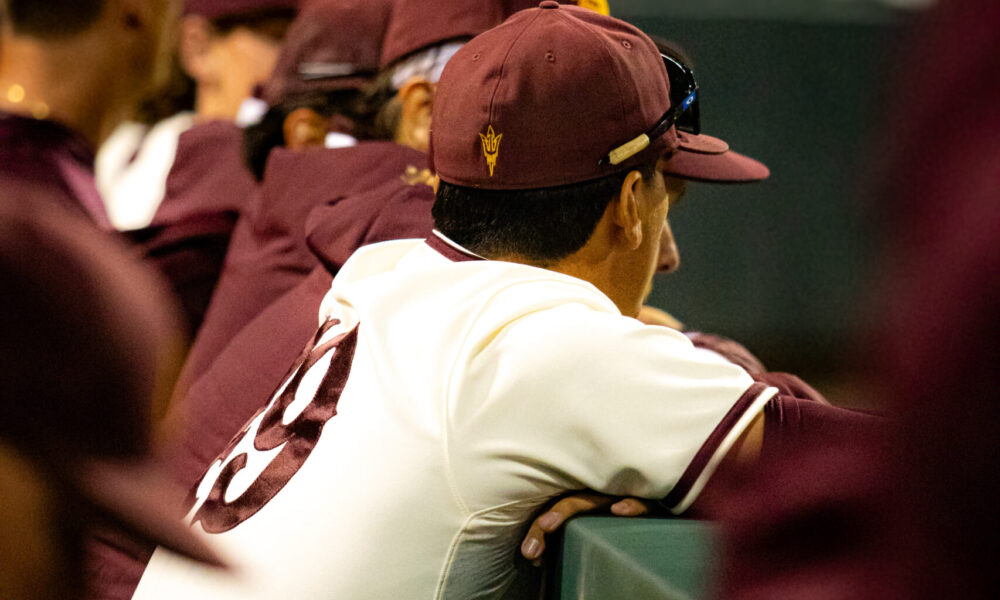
[(76, 302), (86, 331), (207, 187), (442, 21), (418, 24), (705, 158), (452, 253), (190, 254), (332, 45), (790, 385), (214, 9), (940, 338), (268, 254), (915, 516), (208, 175), (790, 418), (729, 349), (45, 163), (242, 378), (390, 212), (810, 523)]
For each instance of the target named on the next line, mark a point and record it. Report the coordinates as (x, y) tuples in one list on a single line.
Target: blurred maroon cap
[(86, 345), (419, 24), (332, 45), (214, 9), (542, 99)]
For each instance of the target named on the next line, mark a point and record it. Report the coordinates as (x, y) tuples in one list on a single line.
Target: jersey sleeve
[(584, 399)]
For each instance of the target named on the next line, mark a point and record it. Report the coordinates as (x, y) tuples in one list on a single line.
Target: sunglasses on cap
[(683, 112)]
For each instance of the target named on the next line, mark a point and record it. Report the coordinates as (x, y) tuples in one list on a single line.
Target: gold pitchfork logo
[(491, 147)]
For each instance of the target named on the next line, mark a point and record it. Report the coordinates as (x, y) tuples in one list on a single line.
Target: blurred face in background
[(153, 52), (227, 59)]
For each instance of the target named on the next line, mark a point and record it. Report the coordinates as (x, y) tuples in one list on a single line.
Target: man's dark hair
[(380, 107), (541, 225), (51, 18), (269, 22)]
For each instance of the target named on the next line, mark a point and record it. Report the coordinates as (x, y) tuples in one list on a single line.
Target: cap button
[(549, 4)]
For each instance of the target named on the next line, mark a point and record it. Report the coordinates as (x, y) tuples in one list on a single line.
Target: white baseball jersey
[(444, 401)]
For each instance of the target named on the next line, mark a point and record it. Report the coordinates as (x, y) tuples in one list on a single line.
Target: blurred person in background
[(229, 48), (132, 165), (88, 353), (70, 72), (912, 515), (225, 50)]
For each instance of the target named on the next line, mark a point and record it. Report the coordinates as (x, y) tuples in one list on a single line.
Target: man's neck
[(64, 81), (591, 267)]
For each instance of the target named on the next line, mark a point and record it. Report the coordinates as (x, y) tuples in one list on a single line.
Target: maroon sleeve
[(729, 349), (190, 254), (790, 419)]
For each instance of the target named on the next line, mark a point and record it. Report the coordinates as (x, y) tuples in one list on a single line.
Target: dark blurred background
[(784, 265)]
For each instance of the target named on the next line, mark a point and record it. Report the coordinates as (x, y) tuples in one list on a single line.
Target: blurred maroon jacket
[(207, 188), (911, 515), (268, 254), (46, 163)]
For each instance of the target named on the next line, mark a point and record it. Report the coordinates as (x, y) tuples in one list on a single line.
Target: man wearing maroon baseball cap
[(451, 392), (226, 48), (328, 62), (552, 114), (229, 47)]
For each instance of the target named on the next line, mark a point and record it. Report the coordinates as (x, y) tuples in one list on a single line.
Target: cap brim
[(138, 496), (705, 158)]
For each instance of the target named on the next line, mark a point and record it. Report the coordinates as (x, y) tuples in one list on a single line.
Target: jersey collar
[(449, 249)]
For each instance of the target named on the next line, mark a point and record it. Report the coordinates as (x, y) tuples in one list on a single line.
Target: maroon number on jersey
[(298, 437)]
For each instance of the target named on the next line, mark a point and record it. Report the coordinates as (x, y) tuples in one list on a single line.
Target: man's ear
[(195, 44), (416, 99), (304, 128), (626, 210)]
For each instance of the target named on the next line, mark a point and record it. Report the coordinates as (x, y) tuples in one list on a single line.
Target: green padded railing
[(607, 558)]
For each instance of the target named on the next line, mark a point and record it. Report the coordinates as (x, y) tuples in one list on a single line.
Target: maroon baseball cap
[(559, 95), (215, 9), (332, 45), (419, 24), (87, 344)]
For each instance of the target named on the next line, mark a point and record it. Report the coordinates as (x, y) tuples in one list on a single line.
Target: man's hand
[(552, 519)]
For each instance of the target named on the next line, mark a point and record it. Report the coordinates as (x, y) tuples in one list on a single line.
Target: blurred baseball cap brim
[(214, 9), (138, 496), (709, 159)]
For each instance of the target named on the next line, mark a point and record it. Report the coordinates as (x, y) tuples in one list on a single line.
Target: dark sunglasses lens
[(689, 120), (682, 88)]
